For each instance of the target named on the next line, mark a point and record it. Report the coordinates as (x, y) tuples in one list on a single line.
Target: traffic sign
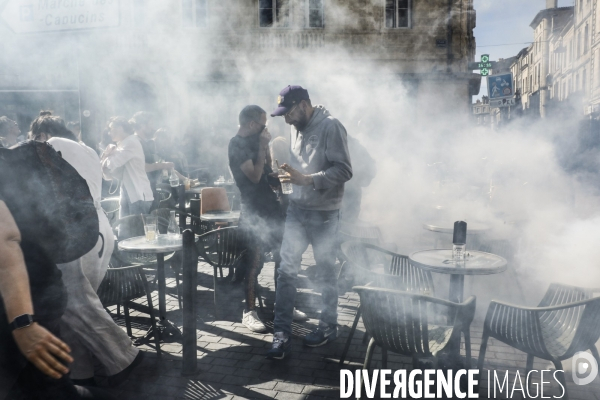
[(30, 16), (502, 103), (500, 86)]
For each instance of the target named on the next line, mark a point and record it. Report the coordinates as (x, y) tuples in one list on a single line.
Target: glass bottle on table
[(173, 228), (174, 179), (459, 241)]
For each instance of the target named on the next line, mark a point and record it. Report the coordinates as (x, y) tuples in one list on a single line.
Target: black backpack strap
[(102, 248)]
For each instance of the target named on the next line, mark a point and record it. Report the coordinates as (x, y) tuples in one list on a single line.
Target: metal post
[(189, 268), (182, 214)]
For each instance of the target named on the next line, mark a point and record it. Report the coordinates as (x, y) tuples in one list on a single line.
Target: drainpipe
[(449, 55)]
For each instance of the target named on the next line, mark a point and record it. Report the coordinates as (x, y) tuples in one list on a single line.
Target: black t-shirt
[(256, 197)]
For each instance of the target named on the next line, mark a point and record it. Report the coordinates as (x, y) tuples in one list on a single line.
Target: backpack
[(50, 202)]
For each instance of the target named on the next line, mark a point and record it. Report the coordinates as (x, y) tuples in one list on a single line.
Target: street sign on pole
[(499, 103), (500, 86), (30, 16)]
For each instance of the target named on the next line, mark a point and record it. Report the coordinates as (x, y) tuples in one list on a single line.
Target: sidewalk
[(231, 359)]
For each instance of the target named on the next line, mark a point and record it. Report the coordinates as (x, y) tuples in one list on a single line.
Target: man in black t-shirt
[(261, 220)]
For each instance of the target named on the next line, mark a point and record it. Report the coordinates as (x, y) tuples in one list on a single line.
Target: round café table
[(162, 245), (475, 263)]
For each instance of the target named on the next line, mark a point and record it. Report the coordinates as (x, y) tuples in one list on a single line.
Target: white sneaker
[(251, 321), (299, 316)]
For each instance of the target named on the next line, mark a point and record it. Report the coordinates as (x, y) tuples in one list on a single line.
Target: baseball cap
[(288, 98)]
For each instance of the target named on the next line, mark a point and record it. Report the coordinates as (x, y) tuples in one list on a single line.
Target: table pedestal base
[(168, 332)]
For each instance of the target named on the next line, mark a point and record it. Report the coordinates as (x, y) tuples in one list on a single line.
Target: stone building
[(481, 111), (195, 63), (560, 71)]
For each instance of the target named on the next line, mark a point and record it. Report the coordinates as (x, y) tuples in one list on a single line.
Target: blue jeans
[(304, 227)]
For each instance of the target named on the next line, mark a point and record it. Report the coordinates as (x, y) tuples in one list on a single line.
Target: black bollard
[(189, 270)]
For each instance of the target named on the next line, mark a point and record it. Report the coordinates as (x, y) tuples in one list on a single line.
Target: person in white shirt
[(126, 161), (85, 326)]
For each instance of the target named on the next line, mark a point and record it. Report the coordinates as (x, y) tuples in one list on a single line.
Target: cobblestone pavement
[(231, 358)]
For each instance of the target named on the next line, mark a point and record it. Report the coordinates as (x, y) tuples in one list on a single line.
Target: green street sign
[(485, 58), (485, 72)]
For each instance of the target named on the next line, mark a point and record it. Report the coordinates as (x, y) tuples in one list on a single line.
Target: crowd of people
[(60, 342)]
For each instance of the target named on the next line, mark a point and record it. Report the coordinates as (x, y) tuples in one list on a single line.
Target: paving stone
[(257, 393), (290, 396), (289, 387), (231, 360)]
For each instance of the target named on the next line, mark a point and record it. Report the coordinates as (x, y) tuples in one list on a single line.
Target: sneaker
[(299, 316), (251, 321), (281, 346), (324, 334)]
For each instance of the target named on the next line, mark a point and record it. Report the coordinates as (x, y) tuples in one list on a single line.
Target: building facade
[(481, 111), (195, 63), (560, 71)]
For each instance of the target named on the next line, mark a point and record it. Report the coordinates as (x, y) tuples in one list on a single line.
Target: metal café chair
[(405, 323), (566, 321), (122, 285), (365, 259), (165, 198), (132, 226), (214, 200), (221, 248)]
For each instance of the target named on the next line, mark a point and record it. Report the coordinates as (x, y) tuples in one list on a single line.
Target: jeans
[(304, 227), (128, 208)]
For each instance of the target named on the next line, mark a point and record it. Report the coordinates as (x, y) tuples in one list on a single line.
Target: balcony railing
[(299, 40)]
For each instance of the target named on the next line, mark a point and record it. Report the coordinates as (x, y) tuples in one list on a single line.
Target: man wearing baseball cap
[(319, 166)]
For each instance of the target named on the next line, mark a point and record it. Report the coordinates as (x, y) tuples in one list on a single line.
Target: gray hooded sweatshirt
[(321, 150)]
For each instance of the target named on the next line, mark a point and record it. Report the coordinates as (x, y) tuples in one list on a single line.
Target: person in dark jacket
[(319, 166)]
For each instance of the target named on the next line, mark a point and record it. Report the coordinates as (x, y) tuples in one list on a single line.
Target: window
[(584, 80), (315, 14), (194, 13), (398, 13), (274, 13), (586, 40), (579, 45)]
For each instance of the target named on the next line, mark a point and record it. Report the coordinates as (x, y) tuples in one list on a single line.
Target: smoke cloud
[(433, 163)]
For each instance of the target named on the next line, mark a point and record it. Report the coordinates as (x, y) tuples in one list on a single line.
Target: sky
[(503, 27)]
